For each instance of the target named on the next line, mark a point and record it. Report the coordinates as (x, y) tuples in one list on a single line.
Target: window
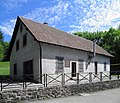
[(59, 64), (80, 65), (15, 69), (67, 63), (25, 40), (17, 45), (104, 66), (21, 28)]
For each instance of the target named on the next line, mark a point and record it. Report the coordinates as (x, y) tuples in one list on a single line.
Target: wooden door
[(28, 70)]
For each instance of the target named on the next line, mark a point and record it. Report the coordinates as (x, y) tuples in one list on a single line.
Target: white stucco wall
[(29, 52), (49, 53)]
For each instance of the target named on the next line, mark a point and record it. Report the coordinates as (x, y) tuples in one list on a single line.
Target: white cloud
[(7, 27), (77, 15), (52, 15), (100, 15), (12, 4), (54, 19)]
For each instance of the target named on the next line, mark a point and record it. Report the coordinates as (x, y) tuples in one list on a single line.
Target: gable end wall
[(29, 52)]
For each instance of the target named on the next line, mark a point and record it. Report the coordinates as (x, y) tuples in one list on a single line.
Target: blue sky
[(67, 15)]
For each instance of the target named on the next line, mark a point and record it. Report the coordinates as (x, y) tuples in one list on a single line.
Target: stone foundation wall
[(13, 96)]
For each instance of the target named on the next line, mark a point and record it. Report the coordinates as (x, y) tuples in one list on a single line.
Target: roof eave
[(109, 55)]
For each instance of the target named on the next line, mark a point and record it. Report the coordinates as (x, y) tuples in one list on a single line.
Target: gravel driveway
[(108, 96)]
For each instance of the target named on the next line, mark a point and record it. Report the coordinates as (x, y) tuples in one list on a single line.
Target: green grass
[(4, 68)]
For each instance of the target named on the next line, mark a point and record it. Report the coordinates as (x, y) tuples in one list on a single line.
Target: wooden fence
[(81, 78), (45, 80)]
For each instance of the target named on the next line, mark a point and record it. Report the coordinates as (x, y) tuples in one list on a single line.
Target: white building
[(40, 49)]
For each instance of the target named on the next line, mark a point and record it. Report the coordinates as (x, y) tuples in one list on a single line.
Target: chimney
[(45, 23)]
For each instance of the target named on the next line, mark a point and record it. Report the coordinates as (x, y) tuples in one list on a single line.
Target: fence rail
[(45, 80)]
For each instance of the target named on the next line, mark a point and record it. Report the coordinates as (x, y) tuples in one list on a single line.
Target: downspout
[(40, 62), (94, 52), (94, 48), (91, 57)]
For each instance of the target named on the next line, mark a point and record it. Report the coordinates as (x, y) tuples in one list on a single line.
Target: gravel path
[(108, 96)]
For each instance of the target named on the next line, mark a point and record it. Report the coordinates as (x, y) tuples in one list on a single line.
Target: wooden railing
[(81, 78), (62, 79), (21, 81)]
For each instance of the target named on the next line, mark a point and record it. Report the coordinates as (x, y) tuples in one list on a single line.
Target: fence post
[(1, 82), (109, 75), (90, 77), (23, 81), (77, 78), (23, 85), (1, 85), (44, 79), (118, 76), (63, 79), (100, 76)]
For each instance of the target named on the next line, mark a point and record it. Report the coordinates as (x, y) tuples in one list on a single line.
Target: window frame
[(59, 64), (24, 39), (21, 28), (15, 69), (80, 65), (67, 63), (17, 45)]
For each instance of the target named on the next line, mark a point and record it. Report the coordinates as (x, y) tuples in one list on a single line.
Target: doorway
[(96, 68), (28, 70), (73, 74)]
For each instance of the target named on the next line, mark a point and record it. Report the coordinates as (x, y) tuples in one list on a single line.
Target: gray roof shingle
[(47, 34)]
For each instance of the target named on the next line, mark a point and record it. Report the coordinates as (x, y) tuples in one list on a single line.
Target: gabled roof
[(46, 34)]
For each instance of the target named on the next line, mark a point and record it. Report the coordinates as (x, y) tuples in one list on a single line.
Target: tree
[(1, 46), (109, 40), (92, 36), (6, 47)]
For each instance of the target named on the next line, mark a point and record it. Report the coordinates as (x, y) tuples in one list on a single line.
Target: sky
[(67, 15)]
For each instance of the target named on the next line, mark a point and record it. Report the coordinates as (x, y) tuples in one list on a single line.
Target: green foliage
[(3, 48), (92, 36), (4, 68), (109, 40), (1, 52), (6, 47)]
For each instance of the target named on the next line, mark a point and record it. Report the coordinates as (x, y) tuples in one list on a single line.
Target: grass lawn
[(4, 68)]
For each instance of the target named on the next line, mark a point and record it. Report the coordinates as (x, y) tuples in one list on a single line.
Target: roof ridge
[(48, 34), (56, 29)]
